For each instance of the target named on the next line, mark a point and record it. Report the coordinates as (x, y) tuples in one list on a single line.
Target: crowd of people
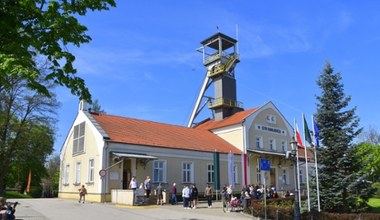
[(190, 194)]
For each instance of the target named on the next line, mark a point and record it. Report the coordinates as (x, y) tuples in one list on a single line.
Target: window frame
[(258, 175), (210, 173), (284, 146), (259, 142), (272, 144), (91, 170), (187, 172), (285, 176), (66, 177), (79, 134), (236, 173), (163, 172), (77, 173)]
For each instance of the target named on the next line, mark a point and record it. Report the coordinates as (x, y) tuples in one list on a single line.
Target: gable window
[(284, 146), (187, 172), (210, 173), (259, 142), (77, 173), (66, 174), (159, 171), (272, 144), (91, 171), (271, 119), (78, 141)]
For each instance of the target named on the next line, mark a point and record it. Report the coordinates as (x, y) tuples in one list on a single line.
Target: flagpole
[(298, 165), (316, 162), (307, 166)]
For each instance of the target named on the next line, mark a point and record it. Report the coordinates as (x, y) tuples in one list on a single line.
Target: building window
[(271, 119), (301, 176), (236, 177), (285, 178), (259, 142), (258, 175), (159, 171), (272, 144), (77, 173), (91, 171), (187, 172), (78, 141), (67, 173), (210, 173), (284, 146)]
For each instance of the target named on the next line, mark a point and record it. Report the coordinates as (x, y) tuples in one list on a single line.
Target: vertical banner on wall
[(244, 168), (231, 170), (216, 171)]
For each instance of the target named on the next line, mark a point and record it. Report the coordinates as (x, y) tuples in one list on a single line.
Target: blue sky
[(142, 61)]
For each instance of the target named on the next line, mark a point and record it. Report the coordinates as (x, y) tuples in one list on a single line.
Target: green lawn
[(375, 204), (14, 195)]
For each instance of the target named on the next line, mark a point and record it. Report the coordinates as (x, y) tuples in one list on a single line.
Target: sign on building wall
[(264, 164)]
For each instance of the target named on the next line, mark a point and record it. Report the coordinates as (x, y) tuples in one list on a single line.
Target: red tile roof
[(141, 132), (236, 118)]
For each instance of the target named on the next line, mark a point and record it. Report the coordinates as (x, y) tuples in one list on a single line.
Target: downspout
[(104, 179)]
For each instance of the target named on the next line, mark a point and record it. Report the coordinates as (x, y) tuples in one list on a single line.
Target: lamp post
[(293, 156)]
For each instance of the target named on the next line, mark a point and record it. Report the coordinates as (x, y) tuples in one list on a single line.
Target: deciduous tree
[(46, 28)]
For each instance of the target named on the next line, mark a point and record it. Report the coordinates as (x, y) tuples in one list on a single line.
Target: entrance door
[(127, 175), (273, 177)]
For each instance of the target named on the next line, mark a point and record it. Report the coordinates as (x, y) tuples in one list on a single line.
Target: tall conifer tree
[(338, 126)]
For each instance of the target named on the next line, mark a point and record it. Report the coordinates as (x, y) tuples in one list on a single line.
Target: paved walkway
[(57, 209)]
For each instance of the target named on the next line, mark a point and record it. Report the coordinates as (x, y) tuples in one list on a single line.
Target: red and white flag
[(298, 136)]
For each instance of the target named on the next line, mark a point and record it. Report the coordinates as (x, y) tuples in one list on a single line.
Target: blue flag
[(316, 132)]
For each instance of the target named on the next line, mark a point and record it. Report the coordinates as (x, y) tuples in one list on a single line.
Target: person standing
[(133, 183), (147, 186), (195, 196), (185, 197), (174, 194), (82, 194), (208, 194), (159, 191)]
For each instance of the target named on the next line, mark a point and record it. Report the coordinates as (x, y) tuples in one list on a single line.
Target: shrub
[(376, 186), (340, 216), (35, 191)]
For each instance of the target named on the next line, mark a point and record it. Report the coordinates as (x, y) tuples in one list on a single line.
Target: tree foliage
[(341, 182), (46, 28), (96, 107), (368, 157), (370, 135), (27, 120)]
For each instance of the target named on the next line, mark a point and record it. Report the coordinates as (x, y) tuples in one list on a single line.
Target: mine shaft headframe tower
[(220, 56)]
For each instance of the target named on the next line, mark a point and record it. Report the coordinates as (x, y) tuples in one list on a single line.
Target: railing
[(224, 67), (225, 102)]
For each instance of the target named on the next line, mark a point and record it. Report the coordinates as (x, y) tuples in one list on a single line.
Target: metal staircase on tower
[(220, 57)]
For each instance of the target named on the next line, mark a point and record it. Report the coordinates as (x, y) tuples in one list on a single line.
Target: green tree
[(96, 107), (338, 126), (27, 120), (51, 181), (44, 28), (368, 156), (370, 135)]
